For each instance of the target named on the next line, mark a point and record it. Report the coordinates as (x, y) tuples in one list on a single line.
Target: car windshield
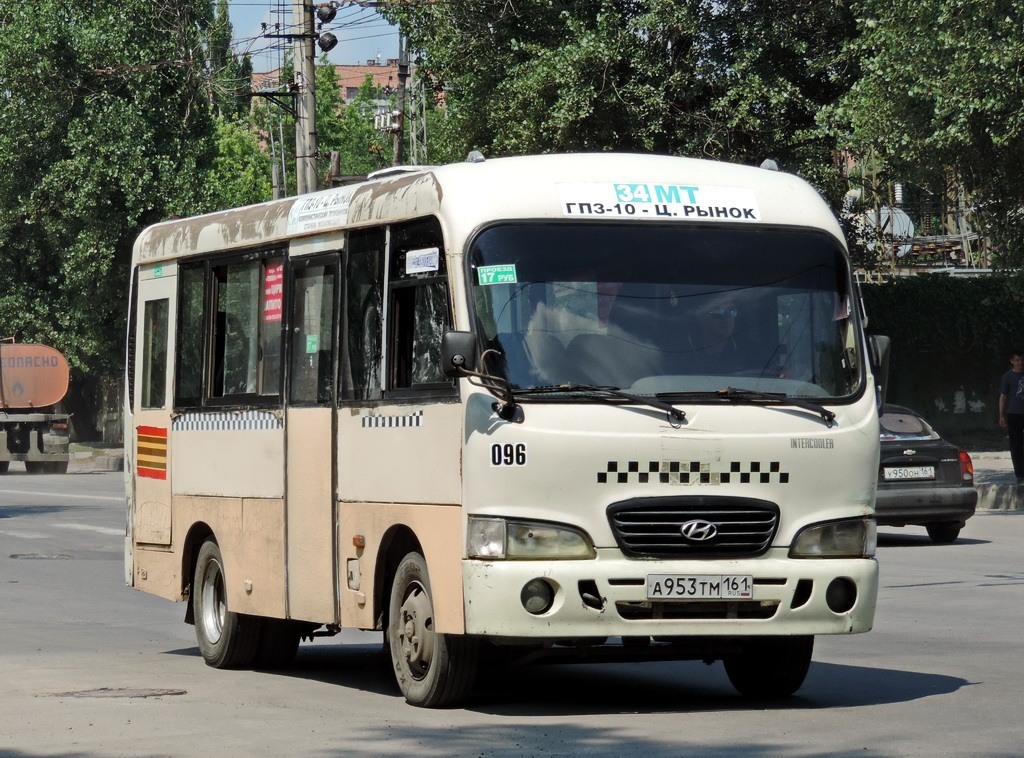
[(899, 424), (666, 309)]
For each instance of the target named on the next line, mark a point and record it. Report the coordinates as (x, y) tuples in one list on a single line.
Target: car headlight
[(503, 539), (855, 538)]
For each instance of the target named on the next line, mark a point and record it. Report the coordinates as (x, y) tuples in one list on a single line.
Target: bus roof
[(602, 186)]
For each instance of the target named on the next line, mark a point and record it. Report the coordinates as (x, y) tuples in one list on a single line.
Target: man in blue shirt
[(1011, 410)]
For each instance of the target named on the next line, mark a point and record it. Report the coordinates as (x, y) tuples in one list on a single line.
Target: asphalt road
[(89, 667)]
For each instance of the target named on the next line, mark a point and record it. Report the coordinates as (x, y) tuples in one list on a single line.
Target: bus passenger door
[(310, 481), (150, 523)]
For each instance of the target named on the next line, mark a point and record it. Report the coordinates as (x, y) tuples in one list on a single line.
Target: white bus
[(612, 405)]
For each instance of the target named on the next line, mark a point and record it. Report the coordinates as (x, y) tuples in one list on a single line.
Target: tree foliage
[(942, 91), (240, 172), (361, 146), (103, 129), (738, 81)]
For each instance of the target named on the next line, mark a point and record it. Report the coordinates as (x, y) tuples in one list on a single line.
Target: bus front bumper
[(608, 596)]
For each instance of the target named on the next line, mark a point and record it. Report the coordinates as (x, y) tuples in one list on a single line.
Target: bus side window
[(363, 329), (419, 310), (311, 377), (419, 318), (191, 335), (154, 353), (247, 328)]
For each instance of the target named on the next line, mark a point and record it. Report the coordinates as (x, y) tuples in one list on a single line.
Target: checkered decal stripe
[(205, 422), (692, 472), (391, 422)]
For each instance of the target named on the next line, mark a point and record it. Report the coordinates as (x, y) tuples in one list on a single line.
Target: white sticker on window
[(422, 261)]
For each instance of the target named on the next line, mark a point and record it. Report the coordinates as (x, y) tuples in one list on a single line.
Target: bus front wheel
[(433, 670), (770, 667), (226, 639)]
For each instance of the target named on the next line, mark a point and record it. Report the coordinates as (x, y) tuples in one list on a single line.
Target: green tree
[(228, 75), (942, 93), (104, 128), (363, 148), (240, 174), (738, 81)]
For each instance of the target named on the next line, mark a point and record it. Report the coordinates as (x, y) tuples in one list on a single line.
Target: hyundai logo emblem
[(698, 530)]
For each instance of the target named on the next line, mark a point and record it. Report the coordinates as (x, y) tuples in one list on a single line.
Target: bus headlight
[(503, 539), (855, 538)]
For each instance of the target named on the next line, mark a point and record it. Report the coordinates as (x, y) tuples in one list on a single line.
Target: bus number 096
[(508, 454)]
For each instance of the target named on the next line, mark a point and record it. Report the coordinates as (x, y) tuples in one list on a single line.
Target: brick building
[(350, 78)]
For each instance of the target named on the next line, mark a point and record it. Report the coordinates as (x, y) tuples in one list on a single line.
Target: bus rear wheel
[(433, 670), (770, 667), (226, 639)]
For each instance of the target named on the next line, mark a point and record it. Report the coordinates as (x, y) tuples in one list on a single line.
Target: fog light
[(841, 595), (537, 596)]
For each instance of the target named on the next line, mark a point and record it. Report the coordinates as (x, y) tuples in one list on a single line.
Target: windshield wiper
[(736, 395), (588, 389)]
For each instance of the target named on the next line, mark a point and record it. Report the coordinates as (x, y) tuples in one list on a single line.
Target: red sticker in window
[(273, 292)]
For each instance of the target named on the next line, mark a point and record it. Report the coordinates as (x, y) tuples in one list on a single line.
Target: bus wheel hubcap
[(417, 630)]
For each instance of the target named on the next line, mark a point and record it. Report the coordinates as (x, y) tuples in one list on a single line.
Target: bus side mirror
[(878, 346), (458, 353)]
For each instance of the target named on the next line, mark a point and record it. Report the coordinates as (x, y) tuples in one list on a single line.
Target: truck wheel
[(770, 667), (944, 532), (226, 639), (433, 670)]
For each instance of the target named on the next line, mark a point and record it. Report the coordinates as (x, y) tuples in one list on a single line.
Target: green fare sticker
[(504, 274), (312, 343)]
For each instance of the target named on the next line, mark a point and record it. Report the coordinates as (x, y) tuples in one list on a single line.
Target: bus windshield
[(666, 310)]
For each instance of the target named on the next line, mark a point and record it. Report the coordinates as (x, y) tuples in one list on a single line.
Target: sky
[(361, 33)]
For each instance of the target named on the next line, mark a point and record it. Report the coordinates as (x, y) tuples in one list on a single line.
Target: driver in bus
[(712, 340)]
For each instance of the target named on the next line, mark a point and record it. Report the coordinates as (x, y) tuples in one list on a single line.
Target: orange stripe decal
[(151, 452)]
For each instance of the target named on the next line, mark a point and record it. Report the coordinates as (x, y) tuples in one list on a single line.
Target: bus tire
[(279, 641), (226, 639), (433, 670), (770, 667)]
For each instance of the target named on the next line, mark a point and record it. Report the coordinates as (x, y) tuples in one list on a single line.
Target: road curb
[(1000, 497), (95, 460)]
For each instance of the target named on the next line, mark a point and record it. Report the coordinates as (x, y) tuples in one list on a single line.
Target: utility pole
[(403, 75), (305, 97), (418, 123)]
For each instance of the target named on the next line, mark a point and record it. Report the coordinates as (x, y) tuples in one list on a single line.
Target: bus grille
[(654, 527), (698, 610)]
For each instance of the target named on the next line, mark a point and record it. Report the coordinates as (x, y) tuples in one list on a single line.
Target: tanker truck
[(33, 381)]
